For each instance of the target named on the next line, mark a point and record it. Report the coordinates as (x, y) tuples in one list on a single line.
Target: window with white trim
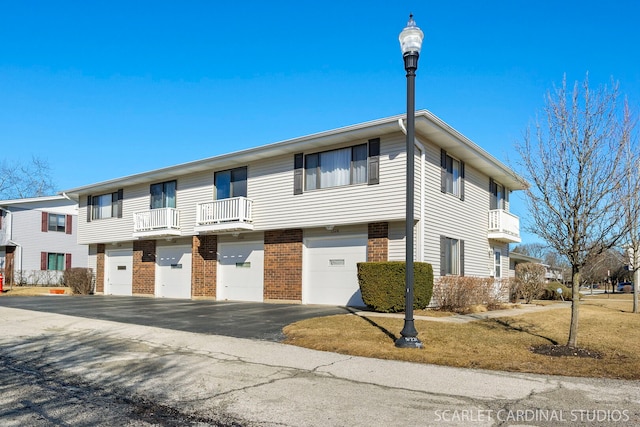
[(451, 256), (163, 195), (452, 175), (346, 166), (105, 206), (57, 222), (231, 183)]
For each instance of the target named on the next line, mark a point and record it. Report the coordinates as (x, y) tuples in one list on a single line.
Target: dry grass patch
[(22, 291), (497, 344)]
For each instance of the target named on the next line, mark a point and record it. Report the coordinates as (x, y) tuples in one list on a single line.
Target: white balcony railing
[(156, 222), (226, 214), (504, 226)]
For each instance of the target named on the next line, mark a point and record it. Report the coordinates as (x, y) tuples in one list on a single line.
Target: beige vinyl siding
[(348, 230), (107, 229), (275, 206), (397, 243), (447, 215)]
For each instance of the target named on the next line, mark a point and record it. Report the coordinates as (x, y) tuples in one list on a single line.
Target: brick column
[(100, 268), (204, 263), (283, 265), (378, 243), (144, 267), (9, 265)]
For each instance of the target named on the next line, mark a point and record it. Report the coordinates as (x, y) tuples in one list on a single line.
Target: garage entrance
[(241, 271), (119, 269), (173, 271), (330, 269)]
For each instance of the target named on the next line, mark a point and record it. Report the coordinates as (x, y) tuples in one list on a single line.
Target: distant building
[(552, 274), (38, 240)]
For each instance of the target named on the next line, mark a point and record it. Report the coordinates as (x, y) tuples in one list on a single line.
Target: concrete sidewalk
[(466, 318), (259, 383)]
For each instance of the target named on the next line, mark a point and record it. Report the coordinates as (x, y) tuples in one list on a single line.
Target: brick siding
[(100, 268), (378, 243), (144, 267), (10, 256), (283, 265), (204, 262)]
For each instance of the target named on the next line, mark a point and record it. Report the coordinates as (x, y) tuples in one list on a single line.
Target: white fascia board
[(12, 202), (426, 123)]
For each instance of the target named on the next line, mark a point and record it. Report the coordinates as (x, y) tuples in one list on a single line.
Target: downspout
[(421, 214)]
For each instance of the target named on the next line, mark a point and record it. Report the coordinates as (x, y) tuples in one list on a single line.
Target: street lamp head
[(411, 38)]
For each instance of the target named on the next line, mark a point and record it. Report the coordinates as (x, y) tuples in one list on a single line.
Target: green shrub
[(80, 280), (383, 288)]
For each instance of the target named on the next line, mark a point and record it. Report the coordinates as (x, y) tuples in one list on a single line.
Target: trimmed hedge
[(383, 289)]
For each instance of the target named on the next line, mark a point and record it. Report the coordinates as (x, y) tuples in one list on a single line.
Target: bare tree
[(25, 179), (575, 163), (607, 264), (631, 208)]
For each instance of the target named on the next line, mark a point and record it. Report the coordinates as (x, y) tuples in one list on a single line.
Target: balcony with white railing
[(234, 214), (156, 223), (504, 226)]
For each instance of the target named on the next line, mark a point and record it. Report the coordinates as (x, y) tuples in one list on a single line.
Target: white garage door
[(173, 271), (241, 271), (119, 268), (331, 272)]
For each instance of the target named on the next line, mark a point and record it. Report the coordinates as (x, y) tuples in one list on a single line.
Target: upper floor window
[(452, 175), (163, 195), (497, 195), (57, 222), (337, 167), (359, 164), (104, 206), (451, 256), (231, 183)]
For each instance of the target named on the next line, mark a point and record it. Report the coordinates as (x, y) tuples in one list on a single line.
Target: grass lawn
[(607, 326)]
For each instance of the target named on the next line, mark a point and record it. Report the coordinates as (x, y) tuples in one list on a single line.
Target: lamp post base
[(409, 342)]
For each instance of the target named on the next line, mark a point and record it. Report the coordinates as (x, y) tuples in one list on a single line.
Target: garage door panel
[(331, 272), (173, 272), (241, 271), (119, 280)]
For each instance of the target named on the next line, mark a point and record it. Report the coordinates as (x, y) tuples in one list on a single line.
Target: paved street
[(158, 376), (234, 319)]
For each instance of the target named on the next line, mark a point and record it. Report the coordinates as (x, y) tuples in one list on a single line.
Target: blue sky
[(105, 89)]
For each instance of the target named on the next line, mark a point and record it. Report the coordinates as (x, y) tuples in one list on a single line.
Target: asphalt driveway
[(262, 321)]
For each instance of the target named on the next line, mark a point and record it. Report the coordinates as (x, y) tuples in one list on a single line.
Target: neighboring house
[(38, 240), (289, 221), (552, 274)]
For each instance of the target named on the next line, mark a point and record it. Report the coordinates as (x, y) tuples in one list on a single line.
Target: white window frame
[(104, 206), (59, 224), (320, 173), (497, 263), (452, 256), (453, 176)]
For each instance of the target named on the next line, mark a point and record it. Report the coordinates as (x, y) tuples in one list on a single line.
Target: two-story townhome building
[(38, 240), (289, 221)]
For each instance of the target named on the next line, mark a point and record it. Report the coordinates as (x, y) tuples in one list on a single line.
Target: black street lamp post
[(410, 43)]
